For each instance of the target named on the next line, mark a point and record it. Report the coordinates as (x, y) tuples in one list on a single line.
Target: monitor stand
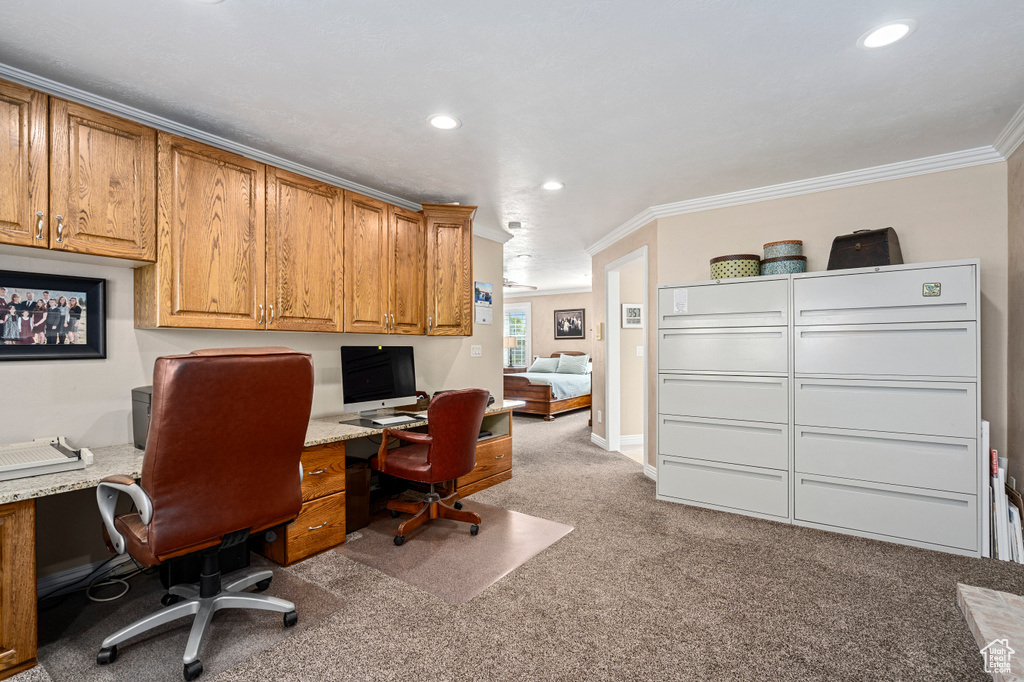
[(378, 419)]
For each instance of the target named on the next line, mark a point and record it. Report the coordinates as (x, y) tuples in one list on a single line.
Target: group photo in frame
[(52, 317), (570, 324)]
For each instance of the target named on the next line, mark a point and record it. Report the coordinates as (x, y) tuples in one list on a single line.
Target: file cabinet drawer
[(759, 399), (887, 296), (762, 491), (947, 349), (919, 461), (751, 349), (918, 407), (758, 303), (735, 442), (947, 519)]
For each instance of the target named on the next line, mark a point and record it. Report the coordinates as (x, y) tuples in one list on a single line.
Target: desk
[(323, 502)]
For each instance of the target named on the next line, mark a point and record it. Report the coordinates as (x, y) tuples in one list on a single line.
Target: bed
[(549, 394)]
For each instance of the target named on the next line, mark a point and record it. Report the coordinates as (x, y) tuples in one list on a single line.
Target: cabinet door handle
[(60, 228), (318, 471), (271, 316), (430, 323), (39, 225), (392, 322), (261, 314), (318, 527)]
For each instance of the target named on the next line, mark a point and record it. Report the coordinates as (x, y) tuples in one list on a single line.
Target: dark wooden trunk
[(865, 248)]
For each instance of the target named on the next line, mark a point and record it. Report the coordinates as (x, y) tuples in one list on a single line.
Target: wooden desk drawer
[(323, 470), (756, 303), (319, 526), (751, 350), (492, 456), (758, 399)]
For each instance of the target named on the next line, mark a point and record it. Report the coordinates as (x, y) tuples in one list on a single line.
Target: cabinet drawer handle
[(271, 316), (501, 456), (39, 225), (318, 471), (261, 314), (60, 228), (318, 527)]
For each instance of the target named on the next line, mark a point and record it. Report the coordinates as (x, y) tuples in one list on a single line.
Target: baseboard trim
[(636, 439), (55, 582), (598, 441), (651, 472)]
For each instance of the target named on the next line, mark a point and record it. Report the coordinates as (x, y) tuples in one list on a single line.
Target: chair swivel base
[(190, 603), (432, 507)]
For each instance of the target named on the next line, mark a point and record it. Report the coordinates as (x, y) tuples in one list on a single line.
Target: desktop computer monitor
[(374, 377)]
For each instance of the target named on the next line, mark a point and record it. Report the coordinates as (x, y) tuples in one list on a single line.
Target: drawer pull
[(318, 527), (770, 383), (821, 312), (716, 316), (317, 472), (885, 493), (724, 427), (878, 389), (723, 470), (954, 448), (846, 333), (725, 335), (501, 456)]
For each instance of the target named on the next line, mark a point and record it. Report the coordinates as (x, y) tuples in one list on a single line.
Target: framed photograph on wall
[(52, 317), (632, 315), (570, 324)]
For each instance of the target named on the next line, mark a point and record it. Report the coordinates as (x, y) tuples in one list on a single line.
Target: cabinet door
[(212, 237), (408, 277), (103, 183), (367, 261), (17, 587), (304, 247), (449, 269), (23, 170)]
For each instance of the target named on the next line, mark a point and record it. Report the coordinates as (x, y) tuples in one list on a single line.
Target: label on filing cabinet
[(679, 299)]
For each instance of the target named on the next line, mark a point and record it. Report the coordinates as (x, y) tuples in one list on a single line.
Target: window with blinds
[(515, 325)]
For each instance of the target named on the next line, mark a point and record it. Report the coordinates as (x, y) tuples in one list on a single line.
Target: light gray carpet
[(645, 590)]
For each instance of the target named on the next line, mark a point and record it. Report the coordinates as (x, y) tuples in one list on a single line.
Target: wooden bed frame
[(538, 396)]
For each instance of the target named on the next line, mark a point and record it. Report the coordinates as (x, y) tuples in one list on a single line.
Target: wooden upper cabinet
[(449, 269), (409, 268), (102, 183), (304, 253), (367, 264), (23, 170), (211, 234)]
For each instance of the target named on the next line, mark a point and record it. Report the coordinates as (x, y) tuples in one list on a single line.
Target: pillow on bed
[(572, 364), (544, 365)]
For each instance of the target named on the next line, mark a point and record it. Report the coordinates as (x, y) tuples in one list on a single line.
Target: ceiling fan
[(509, 284)]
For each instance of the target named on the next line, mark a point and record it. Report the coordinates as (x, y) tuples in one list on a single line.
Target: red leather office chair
[(446, 452), (222, 461)]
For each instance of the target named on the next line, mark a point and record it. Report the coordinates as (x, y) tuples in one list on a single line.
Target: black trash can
[(357, 494)]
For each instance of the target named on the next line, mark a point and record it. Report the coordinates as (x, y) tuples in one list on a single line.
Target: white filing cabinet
[(845, 400)]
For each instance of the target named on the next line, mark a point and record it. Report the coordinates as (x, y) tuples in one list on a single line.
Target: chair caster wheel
[(394, 514), (457, 505), (192, 670), (107, 655), (169, 599), (474, 529), (290, 619), (262, 585), (399, 540)]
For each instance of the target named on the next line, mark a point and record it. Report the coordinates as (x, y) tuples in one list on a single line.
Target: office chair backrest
[(454, 420), (225, 436)]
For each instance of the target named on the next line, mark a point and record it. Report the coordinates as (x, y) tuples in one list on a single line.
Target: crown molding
[(495, 234), (1012, 135), (549, 292), (864, 176)]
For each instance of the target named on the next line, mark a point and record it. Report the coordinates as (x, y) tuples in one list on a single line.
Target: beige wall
[(542, 320), (89, 401), (631, 381), (1015, 359)]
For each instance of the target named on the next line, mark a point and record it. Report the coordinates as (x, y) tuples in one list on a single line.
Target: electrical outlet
[(639, 351), (476, 351), (599, 416)]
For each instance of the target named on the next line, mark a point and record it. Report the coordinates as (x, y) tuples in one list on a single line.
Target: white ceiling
[(630, 104)]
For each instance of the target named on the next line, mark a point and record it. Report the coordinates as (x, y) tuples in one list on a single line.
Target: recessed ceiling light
[(886, 34), (552, 184), (444, 121), (514, 225)]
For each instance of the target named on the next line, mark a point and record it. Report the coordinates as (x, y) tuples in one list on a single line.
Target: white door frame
[(613, 369), (511, 306)]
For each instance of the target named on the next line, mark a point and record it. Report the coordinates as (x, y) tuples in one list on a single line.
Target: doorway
[(626, 354)]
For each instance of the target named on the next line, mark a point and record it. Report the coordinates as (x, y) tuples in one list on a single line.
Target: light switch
[(599, 416), (639, 351), (476, 351)]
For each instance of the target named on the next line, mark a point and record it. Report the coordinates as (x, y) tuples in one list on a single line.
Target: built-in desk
[(320, 525)]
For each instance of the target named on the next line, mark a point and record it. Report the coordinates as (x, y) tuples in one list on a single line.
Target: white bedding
[(562, 385)]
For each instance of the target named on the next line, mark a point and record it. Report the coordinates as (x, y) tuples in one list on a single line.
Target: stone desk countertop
[(127, 459)]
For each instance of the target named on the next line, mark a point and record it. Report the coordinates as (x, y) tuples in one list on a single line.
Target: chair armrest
[(413, 437), (106, 498)]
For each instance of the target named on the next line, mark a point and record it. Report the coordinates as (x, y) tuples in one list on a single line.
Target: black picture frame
[(570, 324), (94, 316)]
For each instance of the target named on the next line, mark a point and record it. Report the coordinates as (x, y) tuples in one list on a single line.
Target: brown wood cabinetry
[(17, 587), (408, 272), (304, 247), (211, 240), (449, 269), (24, 193), (102, 183)]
